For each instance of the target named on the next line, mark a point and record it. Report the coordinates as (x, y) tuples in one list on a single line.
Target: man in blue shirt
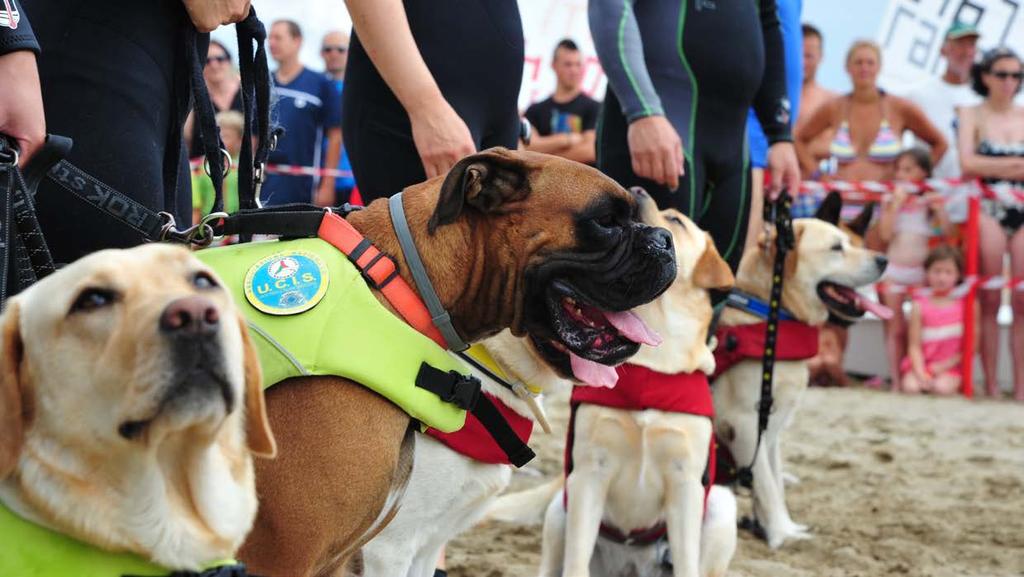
[(307, 107), (334, 51)]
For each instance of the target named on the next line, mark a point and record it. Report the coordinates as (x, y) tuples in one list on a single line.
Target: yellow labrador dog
[(637, 473), (130, 406), (821, 275)]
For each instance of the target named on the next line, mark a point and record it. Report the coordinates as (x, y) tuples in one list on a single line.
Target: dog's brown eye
[(607, 221), (203, 280), (92, 299)]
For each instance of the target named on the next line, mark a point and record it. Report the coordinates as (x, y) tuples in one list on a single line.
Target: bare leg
[(991, 246), (895, 336), (1017, 302), (946, 384), (910, 384)]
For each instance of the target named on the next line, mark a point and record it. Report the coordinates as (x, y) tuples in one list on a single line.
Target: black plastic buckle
[(365, 272), (464, 391)]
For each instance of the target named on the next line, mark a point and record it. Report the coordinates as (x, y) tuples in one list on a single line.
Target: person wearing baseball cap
[(941, 96)]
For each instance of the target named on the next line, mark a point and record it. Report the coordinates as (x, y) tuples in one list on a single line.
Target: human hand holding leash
[(207, 15), (785, 169), (656, 150), (21, 108)]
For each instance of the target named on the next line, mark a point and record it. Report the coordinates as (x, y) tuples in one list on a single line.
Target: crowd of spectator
[(962, 123)]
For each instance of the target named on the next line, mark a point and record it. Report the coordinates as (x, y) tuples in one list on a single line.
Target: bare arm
[(325, 193), (551, 144), (887, 220), (916, 122), (974, 164), (819, 122), (441, 137), (584, 150)]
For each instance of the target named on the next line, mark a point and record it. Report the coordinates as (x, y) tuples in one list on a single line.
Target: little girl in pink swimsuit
[(935, 336), (906, 225)]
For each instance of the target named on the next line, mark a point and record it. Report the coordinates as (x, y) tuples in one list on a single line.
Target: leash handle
[(20, 235)]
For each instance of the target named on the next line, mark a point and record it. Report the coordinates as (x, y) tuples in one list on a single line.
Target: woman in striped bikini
[(935, 339), (867, 123)]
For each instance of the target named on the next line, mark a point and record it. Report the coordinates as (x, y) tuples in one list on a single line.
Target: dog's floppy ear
[(483, 181), (830, 208), (15, 399), (259, 438), (859, 225), (712, 272)]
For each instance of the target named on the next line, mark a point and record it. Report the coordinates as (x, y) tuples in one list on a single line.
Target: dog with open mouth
[(130, 407), (821, 275), (539, 245)]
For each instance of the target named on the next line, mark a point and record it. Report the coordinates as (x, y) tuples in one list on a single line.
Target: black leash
[(22, 246), (777, 212)]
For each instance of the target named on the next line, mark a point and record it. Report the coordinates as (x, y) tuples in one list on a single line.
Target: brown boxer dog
[(527, 241)]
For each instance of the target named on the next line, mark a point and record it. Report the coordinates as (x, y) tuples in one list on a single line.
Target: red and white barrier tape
[(992, 282), (867, 191), (197, 168)]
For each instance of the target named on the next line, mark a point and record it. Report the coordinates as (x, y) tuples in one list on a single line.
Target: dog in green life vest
[(130, 407), (546, 247)]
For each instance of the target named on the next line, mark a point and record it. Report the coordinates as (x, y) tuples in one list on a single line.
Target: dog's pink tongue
[(878, 309), (630, 326), (591, 373)]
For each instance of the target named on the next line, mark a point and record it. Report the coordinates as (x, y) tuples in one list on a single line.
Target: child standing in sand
[(935, 336), (906, 224)]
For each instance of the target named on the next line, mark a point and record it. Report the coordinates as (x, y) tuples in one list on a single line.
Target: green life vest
[(29, 550), (311, 313)]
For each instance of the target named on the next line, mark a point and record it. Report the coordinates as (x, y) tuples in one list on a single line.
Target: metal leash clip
[(201, 234)]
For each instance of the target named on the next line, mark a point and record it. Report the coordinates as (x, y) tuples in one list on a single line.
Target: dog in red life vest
[(455, 477), (821, 274), (637, 453)]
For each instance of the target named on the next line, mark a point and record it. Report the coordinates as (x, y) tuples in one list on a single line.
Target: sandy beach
[(889, 484)]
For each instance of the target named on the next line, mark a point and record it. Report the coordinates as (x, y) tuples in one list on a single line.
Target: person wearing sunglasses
[(224, 86), (334, 51), (991, 139)]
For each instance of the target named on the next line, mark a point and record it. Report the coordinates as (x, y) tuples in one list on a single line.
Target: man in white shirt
[(940, 96)]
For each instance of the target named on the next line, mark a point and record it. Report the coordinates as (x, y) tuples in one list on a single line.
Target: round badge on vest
[(286, 283)]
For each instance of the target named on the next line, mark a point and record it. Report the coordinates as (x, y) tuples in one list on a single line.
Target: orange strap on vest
[(381, 273)]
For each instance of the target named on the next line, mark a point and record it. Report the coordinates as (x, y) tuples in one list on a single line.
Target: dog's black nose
[(661, 239), (192, 316), (881, 262)]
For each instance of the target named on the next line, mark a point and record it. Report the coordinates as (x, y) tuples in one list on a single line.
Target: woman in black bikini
[(991, 139)]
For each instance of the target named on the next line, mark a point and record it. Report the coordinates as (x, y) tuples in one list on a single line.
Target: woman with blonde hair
[(867, 123)]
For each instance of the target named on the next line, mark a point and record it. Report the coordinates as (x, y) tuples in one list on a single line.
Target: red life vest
[(796, 341), (473, 440), (637, 389)]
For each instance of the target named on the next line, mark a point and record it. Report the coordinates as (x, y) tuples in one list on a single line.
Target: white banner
[(911, 34)]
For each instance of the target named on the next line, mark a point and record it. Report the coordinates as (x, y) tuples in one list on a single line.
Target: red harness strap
[(381, 273), (796, 341), (473, 440), (637, 389)]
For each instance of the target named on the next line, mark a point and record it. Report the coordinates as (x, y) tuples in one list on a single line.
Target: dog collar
[(442, 320), (748, 303), (31, 549), (478, 357)]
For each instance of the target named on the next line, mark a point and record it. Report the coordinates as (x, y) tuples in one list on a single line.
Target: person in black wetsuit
[(428, 83), (114, 78), (682, 76)]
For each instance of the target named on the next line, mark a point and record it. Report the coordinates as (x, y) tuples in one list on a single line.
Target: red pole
[(971, 254)]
